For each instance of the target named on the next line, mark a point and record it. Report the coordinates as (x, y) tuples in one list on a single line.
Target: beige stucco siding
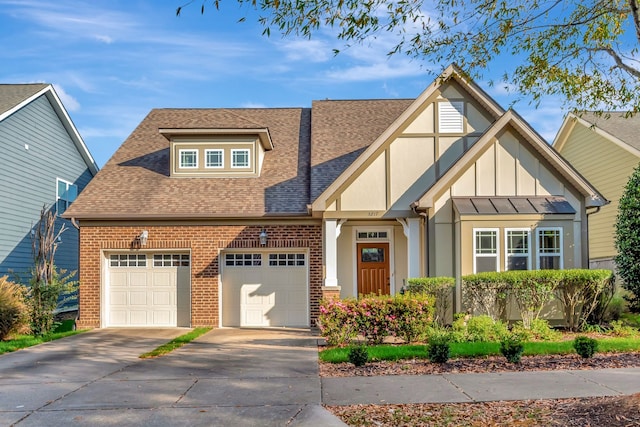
[(411, 169), (369, 190), (608, 171)]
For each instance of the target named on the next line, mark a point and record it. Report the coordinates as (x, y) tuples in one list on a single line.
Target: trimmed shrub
[(440, 288), (512, 347), (580, 293), (539, 331), (359, 355), (478, 328), (375, 317), (438, 349), (12, 308), (585, 346), (485, 293), (337, 321), (410, 316)]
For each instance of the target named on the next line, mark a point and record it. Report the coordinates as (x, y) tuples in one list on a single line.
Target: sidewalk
[(449, 388)]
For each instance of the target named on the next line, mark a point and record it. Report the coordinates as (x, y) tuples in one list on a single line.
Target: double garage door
[(259, 289)]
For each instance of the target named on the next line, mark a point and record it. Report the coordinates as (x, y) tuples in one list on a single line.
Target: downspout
[(587, 214), (424, 215)]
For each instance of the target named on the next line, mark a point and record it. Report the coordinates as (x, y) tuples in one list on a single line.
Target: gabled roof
[(612, 125), (14, 97), (135, 182), (511, 120), (393, 130)]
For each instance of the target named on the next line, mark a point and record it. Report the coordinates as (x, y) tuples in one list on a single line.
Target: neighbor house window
[(517, 253), (485, 249), (214, 158), (240, 158), (550, 248), (189, 159), (451, 117), (66, 193)]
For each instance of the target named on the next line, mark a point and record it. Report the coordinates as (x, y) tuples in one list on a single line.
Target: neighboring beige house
[(248, 217), (605, 150)]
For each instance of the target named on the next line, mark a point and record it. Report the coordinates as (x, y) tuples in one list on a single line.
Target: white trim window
[(188, 159), (549, 255), (486, 247), (517, 249), (66, 193), (214, 158), (240, 158)]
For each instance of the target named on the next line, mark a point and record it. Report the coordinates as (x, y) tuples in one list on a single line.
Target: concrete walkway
[(448, 388)]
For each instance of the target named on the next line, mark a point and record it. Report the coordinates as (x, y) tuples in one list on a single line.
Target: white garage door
[(148, 290), (261, 289)]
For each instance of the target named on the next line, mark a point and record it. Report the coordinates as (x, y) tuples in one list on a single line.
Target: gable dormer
[(209, 153)]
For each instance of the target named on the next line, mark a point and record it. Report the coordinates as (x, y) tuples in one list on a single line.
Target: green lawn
[(24, 341), (176, 343), (478, 349)]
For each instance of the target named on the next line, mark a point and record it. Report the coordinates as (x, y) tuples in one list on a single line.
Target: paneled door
[(373, 269)]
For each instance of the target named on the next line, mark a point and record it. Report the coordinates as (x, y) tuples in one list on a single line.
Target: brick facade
[(205, 243)]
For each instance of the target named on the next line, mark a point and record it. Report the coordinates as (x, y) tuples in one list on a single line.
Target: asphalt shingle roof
[(13, 94), (614, 123), (306, 158)]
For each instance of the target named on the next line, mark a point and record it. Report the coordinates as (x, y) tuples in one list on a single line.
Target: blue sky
[(112, 61)]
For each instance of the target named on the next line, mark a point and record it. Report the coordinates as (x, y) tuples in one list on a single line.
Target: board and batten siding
[(36, 149), (608, 167)]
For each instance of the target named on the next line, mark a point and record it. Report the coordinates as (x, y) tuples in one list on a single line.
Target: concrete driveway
[(233, 377)]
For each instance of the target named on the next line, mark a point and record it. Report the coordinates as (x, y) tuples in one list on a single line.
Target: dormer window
[(240, 158), (212, 152), (215, 158), (188, 159)]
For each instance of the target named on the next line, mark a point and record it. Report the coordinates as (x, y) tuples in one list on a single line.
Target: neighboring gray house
[(44, 162)]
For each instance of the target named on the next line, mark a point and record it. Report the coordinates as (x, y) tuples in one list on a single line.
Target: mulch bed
[(481, 365), (591, 412)]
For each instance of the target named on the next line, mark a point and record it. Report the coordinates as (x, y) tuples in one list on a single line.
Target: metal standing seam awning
[(542, 205)]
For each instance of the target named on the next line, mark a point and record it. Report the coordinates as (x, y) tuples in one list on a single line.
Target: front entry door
[(373, 269)]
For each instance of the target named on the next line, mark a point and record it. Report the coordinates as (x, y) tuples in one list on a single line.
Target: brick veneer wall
[(204, 241)]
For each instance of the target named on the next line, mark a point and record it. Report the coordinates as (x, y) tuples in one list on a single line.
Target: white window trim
[(497, 254), (506, 247), (189, 150), (237, 150), (561, 254), (206, 158), (58, 197)]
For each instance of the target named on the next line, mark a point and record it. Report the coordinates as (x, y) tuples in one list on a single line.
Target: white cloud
[(252, 105), (376, 71), (306, 50), (104, 39), (69, 102)]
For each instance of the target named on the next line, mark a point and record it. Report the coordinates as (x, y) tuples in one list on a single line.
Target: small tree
[(47, 283), (627, 240)]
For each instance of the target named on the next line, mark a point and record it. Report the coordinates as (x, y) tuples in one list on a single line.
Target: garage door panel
[(143, 291), (138, 298), (273, 293), (138, 279)]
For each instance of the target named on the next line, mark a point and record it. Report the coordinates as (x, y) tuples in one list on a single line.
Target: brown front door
[(373, 269)]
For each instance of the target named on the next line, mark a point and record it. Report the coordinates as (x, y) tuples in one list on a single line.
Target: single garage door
[(261, 289), (148, 290)]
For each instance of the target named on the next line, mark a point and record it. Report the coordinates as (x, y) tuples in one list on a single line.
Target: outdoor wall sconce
[(263, 237), (143, 237)]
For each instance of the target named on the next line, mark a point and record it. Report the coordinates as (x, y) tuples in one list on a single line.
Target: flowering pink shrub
[(337, 320), (375, 317)]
